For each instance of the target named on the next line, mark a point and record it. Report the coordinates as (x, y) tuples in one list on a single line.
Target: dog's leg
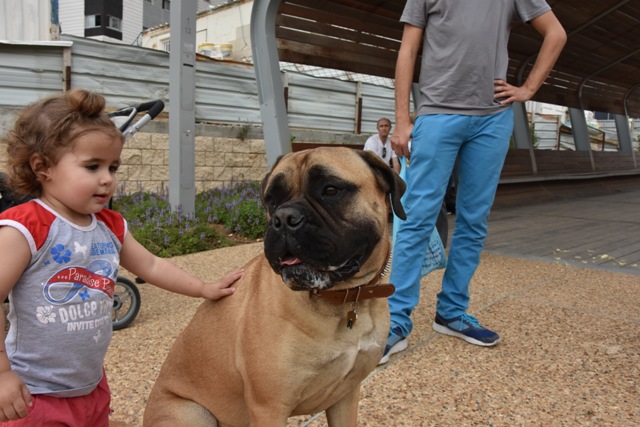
[(180, 413), (344, 413), (267, 416)]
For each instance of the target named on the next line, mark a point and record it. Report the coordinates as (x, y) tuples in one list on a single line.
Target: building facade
[(118, 21)]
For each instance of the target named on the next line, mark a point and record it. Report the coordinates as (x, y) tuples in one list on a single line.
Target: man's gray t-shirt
[(465, 50)]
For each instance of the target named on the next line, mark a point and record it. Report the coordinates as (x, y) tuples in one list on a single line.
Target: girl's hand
[(14, 397), (223, 286)]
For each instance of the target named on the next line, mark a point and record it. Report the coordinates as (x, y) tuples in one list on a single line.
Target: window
[(166, 4), (92, 21), (114, 23), (166, 45)]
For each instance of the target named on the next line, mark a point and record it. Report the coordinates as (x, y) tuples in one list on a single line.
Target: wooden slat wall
[(358, 36), (562, 162), (522, 193), (613, 161), (517, 163)]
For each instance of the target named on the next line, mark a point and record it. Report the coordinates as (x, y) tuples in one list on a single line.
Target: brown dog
[(272, 351)]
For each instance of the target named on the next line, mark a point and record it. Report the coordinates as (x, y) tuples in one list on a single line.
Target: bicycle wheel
[(126, 303)]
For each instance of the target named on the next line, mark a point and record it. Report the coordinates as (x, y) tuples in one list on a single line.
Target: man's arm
[(554, 39), (405, 65)]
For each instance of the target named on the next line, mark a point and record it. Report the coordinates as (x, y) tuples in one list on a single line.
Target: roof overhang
[(597, 70)]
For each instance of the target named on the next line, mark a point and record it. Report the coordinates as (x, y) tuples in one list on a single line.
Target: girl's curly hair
[(50, 128)]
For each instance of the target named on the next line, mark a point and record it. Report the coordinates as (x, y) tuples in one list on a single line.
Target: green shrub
[(237, 206), (165, 233)]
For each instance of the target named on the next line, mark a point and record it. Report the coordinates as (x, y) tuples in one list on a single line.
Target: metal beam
[(275, 123), (522, 133), (182, 80), (624, 136), (629, 130), (606, 67), (580, 132)]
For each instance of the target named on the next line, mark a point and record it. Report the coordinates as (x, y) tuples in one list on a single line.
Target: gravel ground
[(137, 352), (570, 354)]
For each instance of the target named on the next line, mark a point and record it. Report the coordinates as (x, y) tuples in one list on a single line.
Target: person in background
[(60, 257), (381, 144), (463, 111)]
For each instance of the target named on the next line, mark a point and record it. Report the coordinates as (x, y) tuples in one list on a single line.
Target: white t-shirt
[(383, 150)]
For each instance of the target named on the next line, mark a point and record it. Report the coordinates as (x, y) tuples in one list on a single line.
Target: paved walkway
[(601, 231)]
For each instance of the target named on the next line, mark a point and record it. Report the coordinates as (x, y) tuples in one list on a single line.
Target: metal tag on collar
[(352, 315)]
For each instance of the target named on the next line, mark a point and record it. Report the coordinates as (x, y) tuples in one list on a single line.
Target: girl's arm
[(166, 275), (14, 395)]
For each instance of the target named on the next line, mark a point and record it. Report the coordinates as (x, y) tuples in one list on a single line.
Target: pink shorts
[(91, 410)]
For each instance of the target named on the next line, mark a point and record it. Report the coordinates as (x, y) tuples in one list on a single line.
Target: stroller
[(126, 296)]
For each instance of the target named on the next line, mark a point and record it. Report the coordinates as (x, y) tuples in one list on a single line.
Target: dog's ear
[(388, 180)]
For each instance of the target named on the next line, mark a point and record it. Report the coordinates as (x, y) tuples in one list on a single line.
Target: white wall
[(27, 20), (71, 15), (131, 20), (228, 24)]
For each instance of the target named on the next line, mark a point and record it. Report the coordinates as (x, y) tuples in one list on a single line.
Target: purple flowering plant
[(235, 208)]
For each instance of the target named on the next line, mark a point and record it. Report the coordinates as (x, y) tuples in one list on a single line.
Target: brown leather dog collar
[(356, 294), (368, 291)]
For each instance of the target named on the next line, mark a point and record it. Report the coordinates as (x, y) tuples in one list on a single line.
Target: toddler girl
[(61, 253)]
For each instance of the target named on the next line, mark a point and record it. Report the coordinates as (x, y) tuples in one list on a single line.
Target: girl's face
[(84, 179)]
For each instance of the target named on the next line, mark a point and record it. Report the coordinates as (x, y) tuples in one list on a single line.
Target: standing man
[(464, 111), (381, 144)]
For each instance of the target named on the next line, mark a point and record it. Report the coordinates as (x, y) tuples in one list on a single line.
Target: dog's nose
[(288, 217)]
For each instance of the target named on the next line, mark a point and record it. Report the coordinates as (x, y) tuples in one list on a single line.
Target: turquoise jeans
[(480, 143)]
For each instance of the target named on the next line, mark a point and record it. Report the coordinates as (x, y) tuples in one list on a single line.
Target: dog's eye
[(330, 191), (270, 202)]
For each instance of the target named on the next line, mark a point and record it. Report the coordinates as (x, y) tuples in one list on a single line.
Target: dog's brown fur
[(272, 350)]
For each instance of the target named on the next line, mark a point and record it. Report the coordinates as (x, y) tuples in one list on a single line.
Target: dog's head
[(327, 216)]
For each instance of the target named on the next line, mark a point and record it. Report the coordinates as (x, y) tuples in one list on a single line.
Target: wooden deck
[(592, 223)]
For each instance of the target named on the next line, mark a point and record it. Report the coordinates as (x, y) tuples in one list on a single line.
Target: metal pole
[(182, 78), (275, 123)]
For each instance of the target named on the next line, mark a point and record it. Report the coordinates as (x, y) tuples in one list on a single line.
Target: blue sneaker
[(395, 344), (466, 327)]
